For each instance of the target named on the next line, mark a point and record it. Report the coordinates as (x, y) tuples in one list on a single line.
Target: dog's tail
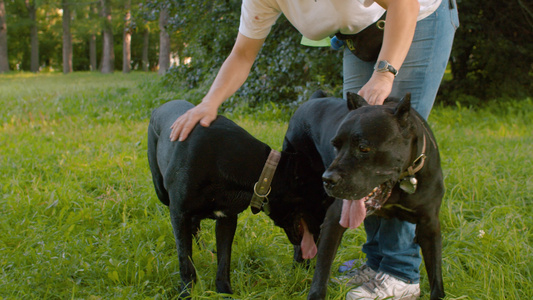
[(319, 94), (157, 177)]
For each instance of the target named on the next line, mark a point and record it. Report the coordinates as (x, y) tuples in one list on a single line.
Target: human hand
[(377, 88), (204, 113)]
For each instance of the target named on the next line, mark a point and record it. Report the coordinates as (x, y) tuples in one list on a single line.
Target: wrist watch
[(385, 66)]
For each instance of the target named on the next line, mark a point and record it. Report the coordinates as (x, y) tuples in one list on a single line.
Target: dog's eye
[(336, 144), (364, 149)]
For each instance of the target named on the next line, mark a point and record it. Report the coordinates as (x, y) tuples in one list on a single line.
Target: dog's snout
[(330, 179)]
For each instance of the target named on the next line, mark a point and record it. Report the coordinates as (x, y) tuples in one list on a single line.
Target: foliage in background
[(85, 22), (492, 54), (18, 25), (80, 218), (285, 71)]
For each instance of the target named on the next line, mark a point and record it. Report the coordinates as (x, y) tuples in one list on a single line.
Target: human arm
[(229, 79), (399, 31)]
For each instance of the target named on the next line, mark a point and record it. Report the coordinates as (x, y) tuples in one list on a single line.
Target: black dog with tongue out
[(214, 174), (380, 159)]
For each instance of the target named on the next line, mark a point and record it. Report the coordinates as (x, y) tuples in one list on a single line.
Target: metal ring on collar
[(262, 196), (381, 24), (421, 157)]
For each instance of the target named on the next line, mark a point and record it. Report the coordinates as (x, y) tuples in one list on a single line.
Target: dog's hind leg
[(330, 239), (181, 225), (225, 232), (428, 236)]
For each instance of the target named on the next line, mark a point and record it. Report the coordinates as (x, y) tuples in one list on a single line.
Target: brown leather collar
[(262, 186), (417, 164)]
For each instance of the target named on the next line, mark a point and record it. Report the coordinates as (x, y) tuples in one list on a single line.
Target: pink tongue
[(308, 243), (353, 213)]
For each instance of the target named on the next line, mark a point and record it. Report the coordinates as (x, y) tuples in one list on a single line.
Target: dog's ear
[(355, 101), (402, 109)]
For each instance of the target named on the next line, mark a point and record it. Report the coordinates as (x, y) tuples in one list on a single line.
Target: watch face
[(382, 65)]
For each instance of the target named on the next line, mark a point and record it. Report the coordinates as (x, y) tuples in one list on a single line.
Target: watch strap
[(385, 66)]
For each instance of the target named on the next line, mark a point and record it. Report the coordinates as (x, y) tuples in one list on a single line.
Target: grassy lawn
[(80, 218)]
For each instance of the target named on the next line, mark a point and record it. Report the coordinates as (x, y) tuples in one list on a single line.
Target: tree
[(67, 38), (4, 61), (492, 54), (164, 42), (108, 55), (92, 43), (146, 44), (126, 49), (32, 10), (146, 19)]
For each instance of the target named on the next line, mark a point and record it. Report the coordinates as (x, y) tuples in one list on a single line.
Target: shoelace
[(375, 282)]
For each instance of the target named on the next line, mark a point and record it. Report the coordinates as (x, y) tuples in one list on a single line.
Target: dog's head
[(300, 206), (373, 146)]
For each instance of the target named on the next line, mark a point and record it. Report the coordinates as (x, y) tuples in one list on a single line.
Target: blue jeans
[(390, 243)]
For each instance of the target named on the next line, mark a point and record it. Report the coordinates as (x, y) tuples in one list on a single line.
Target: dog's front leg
[(225, 231), (429, 238), (330, 238), (183, 236)]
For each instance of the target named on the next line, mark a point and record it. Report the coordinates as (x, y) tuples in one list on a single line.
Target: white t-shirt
[(316, 19)]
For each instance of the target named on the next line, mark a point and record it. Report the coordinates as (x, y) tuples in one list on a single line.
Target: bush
[(492, 54), (284, 72), (492, 57)]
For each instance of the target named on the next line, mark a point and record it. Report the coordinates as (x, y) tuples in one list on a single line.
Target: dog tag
[(266, 208), (408, 184)]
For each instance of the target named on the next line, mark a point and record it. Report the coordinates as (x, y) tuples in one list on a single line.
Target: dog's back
[(222, 152), (312, 126)]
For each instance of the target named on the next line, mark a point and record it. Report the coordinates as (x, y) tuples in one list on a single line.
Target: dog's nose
[(330, 179)]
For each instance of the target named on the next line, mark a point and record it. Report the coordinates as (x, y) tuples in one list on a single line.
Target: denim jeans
[(390, 243)]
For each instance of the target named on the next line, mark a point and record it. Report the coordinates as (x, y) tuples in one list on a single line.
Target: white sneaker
[(356, 277), (385, 286)]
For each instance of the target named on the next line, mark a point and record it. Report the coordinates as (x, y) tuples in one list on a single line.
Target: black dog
[(384, 155), (212, 175)]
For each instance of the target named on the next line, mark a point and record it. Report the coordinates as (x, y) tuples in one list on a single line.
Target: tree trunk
[(34, 58), (108, 56), (4, 61), (126, 48), (164, 43), (67, 39), (92, 52), (146, 43), (92, 43)]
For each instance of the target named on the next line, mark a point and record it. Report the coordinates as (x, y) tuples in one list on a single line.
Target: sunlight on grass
[(81, 219)]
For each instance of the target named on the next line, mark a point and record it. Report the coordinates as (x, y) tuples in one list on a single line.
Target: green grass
[(80, 219)]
